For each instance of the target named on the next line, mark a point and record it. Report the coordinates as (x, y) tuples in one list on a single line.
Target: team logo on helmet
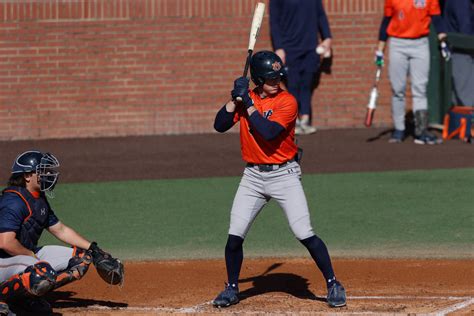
[(276, 66)]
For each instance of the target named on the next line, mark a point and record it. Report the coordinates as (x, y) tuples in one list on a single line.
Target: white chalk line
[(467, 301), (455, 307), (400, 297), (191, 309)]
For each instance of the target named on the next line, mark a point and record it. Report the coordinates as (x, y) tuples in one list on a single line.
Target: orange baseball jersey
[(281, 108), (410, 18)]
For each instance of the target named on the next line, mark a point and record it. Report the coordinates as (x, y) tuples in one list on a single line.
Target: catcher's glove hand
[(110, 269)]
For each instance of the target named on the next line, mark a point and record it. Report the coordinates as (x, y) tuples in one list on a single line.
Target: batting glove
[(241, 89), (379, 61), (445, 51)]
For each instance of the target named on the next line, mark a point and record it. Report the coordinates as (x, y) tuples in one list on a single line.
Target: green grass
[(384, 214)]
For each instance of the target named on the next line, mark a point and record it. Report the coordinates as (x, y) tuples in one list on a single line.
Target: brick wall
[(88, 68)]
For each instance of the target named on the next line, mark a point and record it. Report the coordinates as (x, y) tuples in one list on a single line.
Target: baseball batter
[(267, 117), (28, 271)]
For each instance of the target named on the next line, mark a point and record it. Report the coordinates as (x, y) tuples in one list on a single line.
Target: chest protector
[(37, 220)]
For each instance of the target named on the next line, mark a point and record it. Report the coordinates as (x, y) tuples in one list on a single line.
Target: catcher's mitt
[(110, 269)]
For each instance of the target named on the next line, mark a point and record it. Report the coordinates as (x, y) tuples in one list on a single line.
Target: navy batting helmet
[(266, 65), (43, 164)]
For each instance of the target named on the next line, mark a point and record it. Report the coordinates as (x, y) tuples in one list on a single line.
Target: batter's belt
[(269, 167)]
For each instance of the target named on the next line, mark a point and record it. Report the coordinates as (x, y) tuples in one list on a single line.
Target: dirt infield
[(276, 286), (270, 285)]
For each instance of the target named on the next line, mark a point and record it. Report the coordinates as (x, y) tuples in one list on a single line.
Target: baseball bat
[(372, 105), (254, 30)]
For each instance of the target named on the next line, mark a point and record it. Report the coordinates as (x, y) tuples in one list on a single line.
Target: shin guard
[(76, 269), (36, 280)]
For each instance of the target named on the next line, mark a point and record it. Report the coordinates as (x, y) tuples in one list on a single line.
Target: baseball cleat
[(397, 136), (428, 139), (336, 295), (227, 297)]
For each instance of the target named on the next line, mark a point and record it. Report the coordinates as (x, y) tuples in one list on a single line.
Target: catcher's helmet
[(266, 65), (43, 164)]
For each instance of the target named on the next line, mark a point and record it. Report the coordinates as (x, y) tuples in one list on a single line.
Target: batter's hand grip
[(246, 69)]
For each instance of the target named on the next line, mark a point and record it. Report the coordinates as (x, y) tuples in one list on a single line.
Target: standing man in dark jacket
[(457, 15), (295, 26)]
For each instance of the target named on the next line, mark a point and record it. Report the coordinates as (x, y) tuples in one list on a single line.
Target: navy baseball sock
[(320, 254), (234, 255)]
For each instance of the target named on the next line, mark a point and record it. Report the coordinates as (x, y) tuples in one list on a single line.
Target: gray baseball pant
[(57, 256), (258, 187), (408, 56), (463, 79)]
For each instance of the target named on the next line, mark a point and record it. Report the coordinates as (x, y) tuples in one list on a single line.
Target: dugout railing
[(440, 80)]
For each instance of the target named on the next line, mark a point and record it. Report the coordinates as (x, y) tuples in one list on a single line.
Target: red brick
[(159, 66)]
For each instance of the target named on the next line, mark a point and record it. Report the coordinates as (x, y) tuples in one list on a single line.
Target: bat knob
[(369, 116)]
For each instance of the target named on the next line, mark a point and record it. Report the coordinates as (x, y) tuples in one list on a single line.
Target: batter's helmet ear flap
[(266, 65)]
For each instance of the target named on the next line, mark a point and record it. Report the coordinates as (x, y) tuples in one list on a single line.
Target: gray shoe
[(227, 297), (397, 136), (298, 130), (308, 129), (336, 295), (303, 127)]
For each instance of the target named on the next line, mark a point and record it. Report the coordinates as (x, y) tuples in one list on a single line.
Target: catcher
[(29, 271)]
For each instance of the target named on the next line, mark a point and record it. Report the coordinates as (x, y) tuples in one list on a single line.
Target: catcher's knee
[(36, 280), (77, 267), (40, 278)]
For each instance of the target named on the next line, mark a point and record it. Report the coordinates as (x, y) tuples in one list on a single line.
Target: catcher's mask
[(266, 65), (43, 164)]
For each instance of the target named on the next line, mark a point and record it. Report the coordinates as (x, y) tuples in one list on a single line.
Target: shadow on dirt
[(66, 299), (289, 283), (409, 129), (380, 135)]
